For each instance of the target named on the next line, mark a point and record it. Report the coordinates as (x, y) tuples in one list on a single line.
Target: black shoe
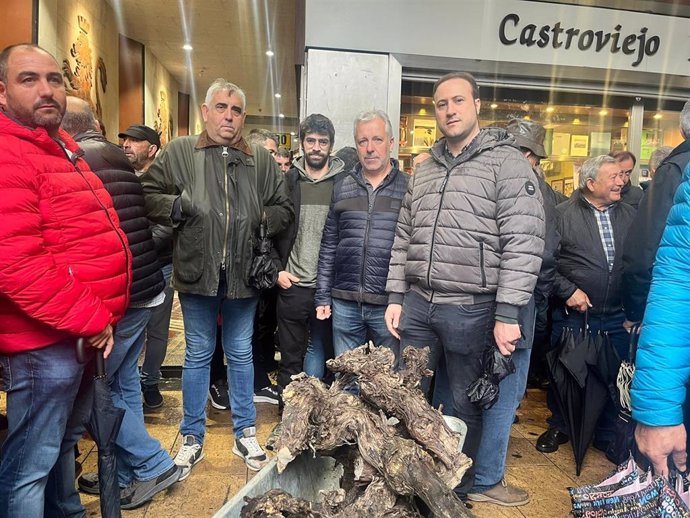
[(219, 396), (267, 395), (141, 491), (550, 440), (151, 396)]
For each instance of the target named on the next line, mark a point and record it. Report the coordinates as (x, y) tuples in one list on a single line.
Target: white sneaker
[(248, 448), (189, 454)]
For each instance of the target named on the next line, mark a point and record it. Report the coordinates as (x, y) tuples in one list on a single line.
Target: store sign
[(419, 34), (513, 31)]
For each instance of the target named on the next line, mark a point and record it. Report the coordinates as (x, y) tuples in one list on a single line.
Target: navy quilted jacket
[(358, 237)]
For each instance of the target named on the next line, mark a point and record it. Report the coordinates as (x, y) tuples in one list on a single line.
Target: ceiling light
[(603, 113), (292, 133), (527, 117), (550, 109), (270, 53), (422, 111), (281, 115), (277, 96), (494, 106), (187, 47), (657, 116)]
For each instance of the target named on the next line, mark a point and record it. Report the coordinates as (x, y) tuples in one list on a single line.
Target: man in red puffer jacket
[(65, 272)]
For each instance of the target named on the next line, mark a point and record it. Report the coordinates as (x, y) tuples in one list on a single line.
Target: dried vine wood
[(357, 431), (387, 390)]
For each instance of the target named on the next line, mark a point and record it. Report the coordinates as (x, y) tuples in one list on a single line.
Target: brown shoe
[(502, 494)]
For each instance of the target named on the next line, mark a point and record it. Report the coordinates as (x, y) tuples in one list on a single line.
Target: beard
[(32, 118), (316, 161)]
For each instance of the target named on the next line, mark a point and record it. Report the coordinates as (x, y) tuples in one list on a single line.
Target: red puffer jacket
[(65, 266)]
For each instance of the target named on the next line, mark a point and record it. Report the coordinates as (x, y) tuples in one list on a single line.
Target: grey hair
[(259, 136), (231, 88), (685, 120), (371, 115), (590, 169), (658, 156)]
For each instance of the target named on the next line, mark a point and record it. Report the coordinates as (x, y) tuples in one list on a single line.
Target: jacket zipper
[(366, 247), (74, 159), (442, 190), (224, 153), (481, 264)]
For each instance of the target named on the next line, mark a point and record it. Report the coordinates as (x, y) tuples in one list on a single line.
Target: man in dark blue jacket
[(357, 240)]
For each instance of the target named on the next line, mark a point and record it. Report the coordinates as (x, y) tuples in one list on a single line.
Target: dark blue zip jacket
[(358, 237)]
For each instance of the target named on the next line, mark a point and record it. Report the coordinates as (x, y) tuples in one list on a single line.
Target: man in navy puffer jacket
[(358, 237)]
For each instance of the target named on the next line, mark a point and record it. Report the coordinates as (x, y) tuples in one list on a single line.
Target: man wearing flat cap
[(140, 144)]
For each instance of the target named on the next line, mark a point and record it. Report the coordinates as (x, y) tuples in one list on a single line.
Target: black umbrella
[(103, 425), (581, 395), (485, 389), (263, 273)]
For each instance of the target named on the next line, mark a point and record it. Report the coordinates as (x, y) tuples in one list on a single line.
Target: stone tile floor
[(221, 474)]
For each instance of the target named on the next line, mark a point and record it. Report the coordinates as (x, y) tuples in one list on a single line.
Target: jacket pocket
[(188, 255), (482, 272)]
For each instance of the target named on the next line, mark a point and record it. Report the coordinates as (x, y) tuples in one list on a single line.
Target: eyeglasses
[(322, 142)]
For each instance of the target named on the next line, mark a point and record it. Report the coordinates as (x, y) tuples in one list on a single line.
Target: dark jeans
[(619, 338), (157, 332), (49, 396), (459, 334), (538, 369), (297, 326), (263, 342)]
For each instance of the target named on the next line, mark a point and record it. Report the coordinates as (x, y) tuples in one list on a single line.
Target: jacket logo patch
[(530, 188)]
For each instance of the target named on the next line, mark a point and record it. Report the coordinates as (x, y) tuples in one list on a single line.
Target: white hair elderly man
[(215, 190), (592, 224)]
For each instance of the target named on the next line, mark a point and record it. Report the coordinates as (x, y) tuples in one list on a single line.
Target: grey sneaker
[(88, 483), (189, 454), (141, 491), (248, 448), (502, 494)]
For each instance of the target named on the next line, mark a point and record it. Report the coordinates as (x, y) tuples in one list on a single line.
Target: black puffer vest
[(110, 164)]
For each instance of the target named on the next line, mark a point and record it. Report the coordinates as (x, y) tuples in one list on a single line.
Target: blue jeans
[(46, 406), (459, 334), (199, 314), (157, 331), (139, 456), (354, 324), (619, 338), (490, 464)]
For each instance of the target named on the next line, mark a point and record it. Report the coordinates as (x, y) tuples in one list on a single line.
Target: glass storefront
[(578, 126)]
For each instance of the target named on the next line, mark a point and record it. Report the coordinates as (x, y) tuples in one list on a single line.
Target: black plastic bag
[(263, 273), (484, 391)]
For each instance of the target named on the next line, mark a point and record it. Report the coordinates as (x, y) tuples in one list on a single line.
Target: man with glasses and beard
[(304, 340)]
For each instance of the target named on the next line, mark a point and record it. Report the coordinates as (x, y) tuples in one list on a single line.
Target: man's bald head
[(79, 117)]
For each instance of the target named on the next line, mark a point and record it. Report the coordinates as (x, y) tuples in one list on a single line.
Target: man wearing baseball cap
[(140, 144)]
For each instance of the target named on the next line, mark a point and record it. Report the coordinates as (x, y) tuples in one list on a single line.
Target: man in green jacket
[(215, 190)]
